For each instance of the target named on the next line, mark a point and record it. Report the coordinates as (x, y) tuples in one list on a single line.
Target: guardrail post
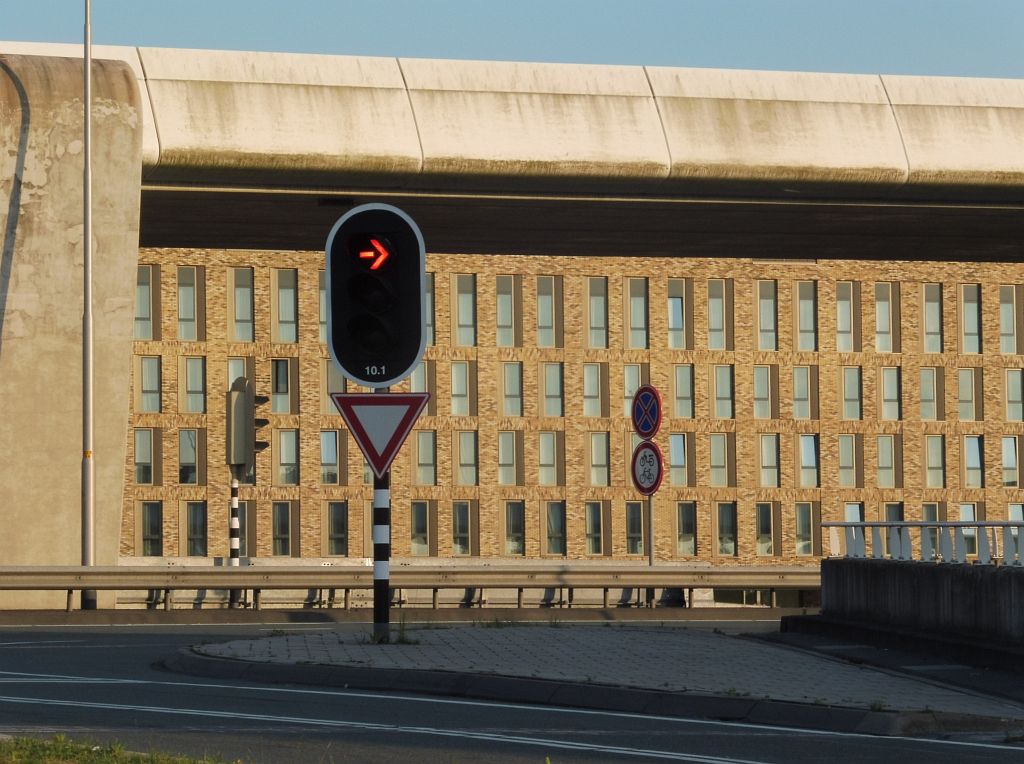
[(945, 545), (256, 598), (877, 548), (927, 551), (168, 599), (519, 598), (71, 599), (959, 546), (984, 550)]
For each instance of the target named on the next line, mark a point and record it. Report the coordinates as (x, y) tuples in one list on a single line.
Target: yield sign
[(380, 422)]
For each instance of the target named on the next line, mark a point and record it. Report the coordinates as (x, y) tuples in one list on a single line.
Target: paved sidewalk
[(669, 667)]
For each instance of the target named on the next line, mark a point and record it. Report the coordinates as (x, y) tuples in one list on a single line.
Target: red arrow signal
[(378, 254)]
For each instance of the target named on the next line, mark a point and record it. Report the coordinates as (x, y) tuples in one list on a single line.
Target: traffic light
[(242, 423), (376, 276)]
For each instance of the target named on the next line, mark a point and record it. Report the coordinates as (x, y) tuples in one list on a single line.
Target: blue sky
[(980, 38)]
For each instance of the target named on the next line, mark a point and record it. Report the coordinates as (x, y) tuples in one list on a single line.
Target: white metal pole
[(88, 465)]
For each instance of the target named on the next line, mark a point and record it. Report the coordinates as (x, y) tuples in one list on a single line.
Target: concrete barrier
[(980, 601)]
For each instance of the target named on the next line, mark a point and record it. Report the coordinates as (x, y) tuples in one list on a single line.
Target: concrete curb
[(592, 696)]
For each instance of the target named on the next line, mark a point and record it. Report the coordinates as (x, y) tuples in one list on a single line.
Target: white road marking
[(46, 643), (32, 678), (466, 734)]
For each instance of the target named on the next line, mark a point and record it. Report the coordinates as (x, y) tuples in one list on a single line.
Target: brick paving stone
[(675, 659)]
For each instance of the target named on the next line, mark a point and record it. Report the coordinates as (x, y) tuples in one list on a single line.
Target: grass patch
[(60, 750)]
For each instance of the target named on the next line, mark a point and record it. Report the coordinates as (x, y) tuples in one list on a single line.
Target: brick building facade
[(795, 391)]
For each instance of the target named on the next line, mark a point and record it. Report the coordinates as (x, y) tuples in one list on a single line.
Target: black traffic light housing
[(242, 423), (376, 278)]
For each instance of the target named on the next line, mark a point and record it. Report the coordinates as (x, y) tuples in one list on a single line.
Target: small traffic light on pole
[(376, 278)]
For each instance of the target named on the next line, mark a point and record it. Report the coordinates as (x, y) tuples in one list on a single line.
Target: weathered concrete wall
[(41, 167), (962, 600)]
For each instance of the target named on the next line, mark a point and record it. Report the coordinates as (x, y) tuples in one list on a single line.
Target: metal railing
[(349, 578), (945, 542)]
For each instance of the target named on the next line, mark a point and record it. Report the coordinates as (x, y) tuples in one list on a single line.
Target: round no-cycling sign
[(646, 411), (647, 467)]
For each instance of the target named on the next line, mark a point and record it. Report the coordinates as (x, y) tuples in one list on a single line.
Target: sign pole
[(382, 553), (234, 540)]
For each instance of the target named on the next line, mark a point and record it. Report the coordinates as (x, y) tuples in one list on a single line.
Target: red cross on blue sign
[(646, 411)]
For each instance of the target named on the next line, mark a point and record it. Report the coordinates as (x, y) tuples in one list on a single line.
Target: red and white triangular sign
[(380, 422)]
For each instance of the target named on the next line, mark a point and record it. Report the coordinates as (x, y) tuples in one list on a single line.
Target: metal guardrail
[(942, 542), (348, 578)]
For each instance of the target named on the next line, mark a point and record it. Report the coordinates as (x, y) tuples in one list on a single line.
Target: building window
[(763, 408), (969, 514), (853, 512), (719, 462), (764, 519), (322, 283), (887, 468), (426, 457), (686, 529), (553, 404), (807, 315), (599, 459), (419, 527), (281, 521), (935, 461), (931, 401), (242, 309), (969, 393), (970, 318), (974, 461), (597, 311), (505, 312), (195, 512), (723, 392), (330, 474), (428, 298), (237, 367), (556, 527), (890, 378), (933, 318), (460, 528), (288, 457), (144, 292), (549, 311), (851, 392), (718, 315), (144, 473), (512, 392), (188, 457), (932, 512), (637, 313), (1015, 395), (508, 473), (593, 390), (887, 300), (337, 528), (726, 516), (332, 381), (677, 314), (188, 302), (767, 315), (286, 306), (462, 398), (632, 378), (152, 524), (548, 462), (678, 471), (281, 385), (804, 512), (195, 385), (1008, 319), (1011, 468), (515, 528), (683, 399), (149, 394), (803, 392), (769, 460), (848, 461), (808, 453), (465, 310), (594, 511), (467, 458), (846, 317), (634, 527), (1015, 514)]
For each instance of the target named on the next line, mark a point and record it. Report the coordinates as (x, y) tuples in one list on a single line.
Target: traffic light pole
[(382, 554), (234, 535)]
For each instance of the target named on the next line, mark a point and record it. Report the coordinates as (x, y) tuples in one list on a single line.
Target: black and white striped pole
[(234, 536), (382, 558)]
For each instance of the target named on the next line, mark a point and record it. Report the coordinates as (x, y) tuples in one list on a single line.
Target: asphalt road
[(103, 684)]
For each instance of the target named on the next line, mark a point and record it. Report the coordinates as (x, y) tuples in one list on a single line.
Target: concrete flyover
[(265, 150)]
